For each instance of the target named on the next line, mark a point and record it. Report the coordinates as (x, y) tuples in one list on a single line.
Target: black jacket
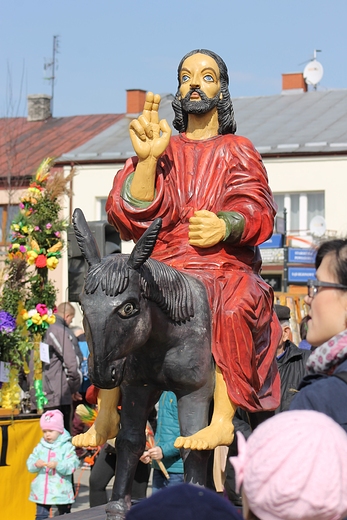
[(62, 376), (292, 368), (326, 394)]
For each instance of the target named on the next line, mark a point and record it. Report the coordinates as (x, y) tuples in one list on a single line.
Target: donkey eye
[(127, 310)]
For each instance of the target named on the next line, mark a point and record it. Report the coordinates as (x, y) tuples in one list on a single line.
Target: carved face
[(199, 83)]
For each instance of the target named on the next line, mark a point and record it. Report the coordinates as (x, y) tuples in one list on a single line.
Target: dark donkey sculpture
[(148, 328)]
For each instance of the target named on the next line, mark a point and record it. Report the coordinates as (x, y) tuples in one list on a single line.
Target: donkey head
[(116, 316)]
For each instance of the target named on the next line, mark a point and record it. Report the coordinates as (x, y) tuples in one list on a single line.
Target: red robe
[(223, 173)]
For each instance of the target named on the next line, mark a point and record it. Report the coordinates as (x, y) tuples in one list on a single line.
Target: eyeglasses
[(313, 286)]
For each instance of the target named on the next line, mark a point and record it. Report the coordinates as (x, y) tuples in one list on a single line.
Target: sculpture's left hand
[(206, 229)]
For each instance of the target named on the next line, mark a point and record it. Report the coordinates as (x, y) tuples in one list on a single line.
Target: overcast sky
[(108, 46)]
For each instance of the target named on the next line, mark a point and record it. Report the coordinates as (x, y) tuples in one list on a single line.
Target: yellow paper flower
[(15, 246), (15, 227), (10, 392), (24, 315), (57, 247), (51, 319), (52, 263), (31, 256), (43, 170), (34, 190), (25, 229), (37, 319), (34, 245)]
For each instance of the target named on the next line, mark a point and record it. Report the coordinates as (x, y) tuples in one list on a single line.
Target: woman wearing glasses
[(325, 387)]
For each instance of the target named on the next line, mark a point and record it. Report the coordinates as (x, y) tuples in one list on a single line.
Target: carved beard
[(199, 107)]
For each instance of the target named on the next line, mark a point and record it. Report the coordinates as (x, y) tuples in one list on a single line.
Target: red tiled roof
[(23, 144)]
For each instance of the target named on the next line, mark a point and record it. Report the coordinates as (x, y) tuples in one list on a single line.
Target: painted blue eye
[(184, 78), (208, 77)]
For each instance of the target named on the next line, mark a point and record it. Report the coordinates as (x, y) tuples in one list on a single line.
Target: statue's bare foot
[(104, 427), (218, 434)]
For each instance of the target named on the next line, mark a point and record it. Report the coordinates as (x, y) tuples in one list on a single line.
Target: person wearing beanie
[(293, 467), (184, 502), (53, 460)]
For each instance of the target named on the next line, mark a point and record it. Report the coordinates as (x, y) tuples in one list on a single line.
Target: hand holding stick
[(150, 443)]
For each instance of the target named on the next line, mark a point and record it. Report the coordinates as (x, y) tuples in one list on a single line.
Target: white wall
[(91, 183), (318, 174)]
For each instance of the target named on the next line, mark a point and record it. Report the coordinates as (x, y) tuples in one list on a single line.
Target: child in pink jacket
[(54, 460)]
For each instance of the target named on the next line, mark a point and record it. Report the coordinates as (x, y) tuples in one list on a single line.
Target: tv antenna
[(313, 71), (52, 67)]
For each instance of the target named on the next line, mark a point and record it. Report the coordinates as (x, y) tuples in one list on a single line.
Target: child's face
[(50, 435)]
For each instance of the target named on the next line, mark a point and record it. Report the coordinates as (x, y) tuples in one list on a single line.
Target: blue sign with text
[(275, 241), (301, 274), (301, 256)]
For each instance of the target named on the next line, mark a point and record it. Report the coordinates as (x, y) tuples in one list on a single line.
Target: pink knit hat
[(52, 420), (294, 467)]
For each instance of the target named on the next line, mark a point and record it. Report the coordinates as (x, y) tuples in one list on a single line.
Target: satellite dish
[(313, 72), (318, 226)]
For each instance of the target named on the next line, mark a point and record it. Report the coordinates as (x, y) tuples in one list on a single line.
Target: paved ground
[(82, 487), (81, 479)]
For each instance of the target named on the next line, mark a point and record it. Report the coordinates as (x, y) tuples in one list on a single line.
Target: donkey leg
[(193, 410), (137, 402), (221, 431)]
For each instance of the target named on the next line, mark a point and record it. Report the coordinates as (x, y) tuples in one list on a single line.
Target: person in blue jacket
[(54, 460), (167, 431), (324, 389)]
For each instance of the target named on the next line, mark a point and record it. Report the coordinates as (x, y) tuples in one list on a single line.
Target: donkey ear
[(144, 247), (85, 238)]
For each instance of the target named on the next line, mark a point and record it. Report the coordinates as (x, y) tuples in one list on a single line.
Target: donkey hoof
[(116, 510)]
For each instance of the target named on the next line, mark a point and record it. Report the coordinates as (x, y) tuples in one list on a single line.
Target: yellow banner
[(18, 438)]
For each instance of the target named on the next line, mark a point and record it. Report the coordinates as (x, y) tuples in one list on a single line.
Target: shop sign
[(275, 241), (301, 274), (272, 256), (301, 256)]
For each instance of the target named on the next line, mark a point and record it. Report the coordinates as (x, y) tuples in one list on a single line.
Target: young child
[(54, 460)]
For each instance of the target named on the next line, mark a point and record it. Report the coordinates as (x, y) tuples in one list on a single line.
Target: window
[(102, 211), (7, 214), (301, 208)]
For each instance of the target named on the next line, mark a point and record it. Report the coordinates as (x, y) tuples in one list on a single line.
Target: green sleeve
[(126, 194), (235, 224)]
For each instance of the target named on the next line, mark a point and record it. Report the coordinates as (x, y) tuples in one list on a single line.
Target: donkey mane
[(160, 283)]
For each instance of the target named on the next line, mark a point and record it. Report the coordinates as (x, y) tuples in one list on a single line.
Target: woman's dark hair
[(338, 248), (303, 327), (227, 123)]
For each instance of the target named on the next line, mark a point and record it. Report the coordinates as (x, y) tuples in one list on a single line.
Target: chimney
[(39, 107), (135, 100), (294, 83)]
